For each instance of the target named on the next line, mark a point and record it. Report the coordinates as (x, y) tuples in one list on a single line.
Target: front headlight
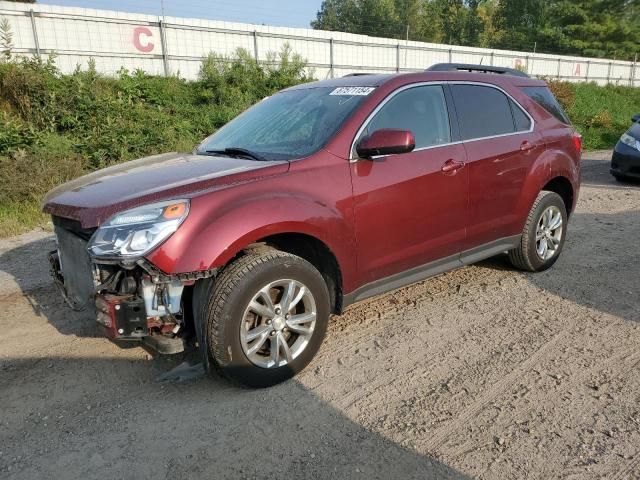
[(630, 141), (135, 232)]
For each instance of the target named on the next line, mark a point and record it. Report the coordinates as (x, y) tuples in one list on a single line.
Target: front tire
[(266, 318), (543, 234)]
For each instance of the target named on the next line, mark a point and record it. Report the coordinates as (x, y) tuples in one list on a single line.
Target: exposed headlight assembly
[(630, 141), (135, 232)]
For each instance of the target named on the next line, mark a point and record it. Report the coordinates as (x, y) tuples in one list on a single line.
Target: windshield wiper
[(239, 151)]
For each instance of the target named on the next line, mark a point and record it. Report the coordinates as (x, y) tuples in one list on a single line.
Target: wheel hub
[(278, 323)]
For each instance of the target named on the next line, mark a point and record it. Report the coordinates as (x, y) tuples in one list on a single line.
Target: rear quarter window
[(543, 97), (523, 123)]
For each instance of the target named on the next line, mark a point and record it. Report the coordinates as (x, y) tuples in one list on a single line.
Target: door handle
[(526, 146), (452, 166)]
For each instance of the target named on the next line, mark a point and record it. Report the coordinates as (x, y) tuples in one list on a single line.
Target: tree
[(367, 17), (6, 39), (600, 28), (410, 15), (473, 24), (519, 21), (451, 20), (491, 33)]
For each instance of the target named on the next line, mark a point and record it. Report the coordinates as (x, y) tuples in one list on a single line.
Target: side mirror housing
[(636, 118), (386, 141)]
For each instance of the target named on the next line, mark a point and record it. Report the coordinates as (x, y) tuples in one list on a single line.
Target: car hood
[(95, 197)]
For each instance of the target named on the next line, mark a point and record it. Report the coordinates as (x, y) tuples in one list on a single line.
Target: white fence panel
[(22, 31), (172, 45)]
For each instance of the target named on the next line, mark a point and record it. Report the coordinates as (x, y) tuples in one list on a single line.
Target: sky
[(285, 13)]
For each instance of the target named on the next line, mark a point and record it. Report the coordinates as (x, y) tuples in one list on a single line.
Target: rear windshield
[(291, 124), (543, 97)]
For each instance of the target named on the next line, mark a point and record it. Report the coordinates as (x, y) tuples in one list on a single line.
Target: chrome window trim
[(355, 158)]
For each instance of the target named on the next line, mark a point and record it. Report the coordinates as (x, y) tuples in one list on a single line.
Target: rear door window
[(543, 97), (421, 109), (482, 111)]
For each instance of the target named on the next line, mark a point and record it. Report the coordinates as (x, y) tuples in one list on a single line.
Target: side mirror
[(636, 118), (386, 141)]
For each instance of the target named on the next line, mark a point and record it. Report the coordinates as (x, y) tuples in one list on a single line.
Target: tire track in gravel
[(624, 360), (428, 365), (440, 436), (626, 473), (384, 312), (453, 334)]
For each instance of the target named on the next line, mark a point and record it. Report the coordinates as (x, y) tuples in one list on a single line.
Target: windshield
[(288, 125)]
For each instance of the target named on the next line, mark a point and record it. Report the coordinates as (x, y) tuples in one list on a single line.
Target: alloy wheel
[(549, 233), (278, 323)]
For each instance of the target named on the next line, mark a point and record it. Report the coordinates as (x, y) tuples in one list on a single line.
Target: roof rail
[(466, 67), (357, 74)]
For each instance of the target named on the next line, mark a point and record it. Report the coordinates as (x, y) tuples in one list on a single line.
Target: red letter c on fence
[(139, 32)]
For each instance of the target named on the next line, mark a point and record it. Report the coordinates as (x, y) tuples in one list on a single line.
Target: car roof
[(376, 80)]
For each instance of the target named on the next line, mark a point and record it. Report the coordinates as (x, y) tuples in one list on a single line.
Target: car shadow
[(23, 272), (598, 265), (95, 417)]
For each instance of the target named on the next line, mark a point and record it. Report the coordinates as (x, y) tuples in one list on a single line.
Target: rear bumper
[(620, 173), (625, 161)]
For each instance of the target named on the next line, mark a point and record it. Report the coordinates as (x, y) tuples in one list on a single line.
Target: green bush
[(15, 134), (602, 114), (236, 84), (55, 127)]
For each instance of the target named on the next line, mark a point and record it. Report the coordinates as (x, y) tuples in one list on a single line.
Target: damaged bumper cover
[(132, 301)]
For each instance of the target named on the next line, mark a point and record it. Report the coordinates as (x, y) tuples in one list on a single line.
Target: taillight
[(577, 141)]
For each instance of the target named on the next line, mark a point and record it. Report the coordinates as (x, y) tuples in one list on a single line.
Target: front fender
[(216, 232)]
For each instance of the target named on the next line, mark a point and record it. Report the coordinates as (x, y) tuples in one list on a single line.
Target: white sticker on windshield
[(353, 91)]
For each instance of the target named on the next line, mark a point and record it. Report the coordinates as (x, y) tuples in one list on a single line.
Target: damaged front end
[(131, 304), (131, 299)]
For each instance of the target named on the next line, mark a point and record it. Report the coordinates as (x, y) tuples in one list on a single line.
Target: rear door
[(501, 146), (408, 212)]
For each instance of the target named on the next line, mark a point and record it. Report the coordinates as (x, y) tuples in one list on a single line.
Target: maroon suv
[(315, 198)]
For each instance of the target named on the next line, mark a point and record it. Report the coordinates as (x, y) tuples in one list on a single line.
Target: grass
[(16, 218), (602, 114)]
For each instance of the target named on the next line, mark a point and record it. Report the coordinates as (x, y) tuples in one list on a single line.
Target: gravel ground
[(483, 372)]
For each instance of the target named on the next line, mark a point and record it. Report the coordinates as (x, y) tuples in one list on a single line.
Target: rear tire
[(543, 234), (253, 335)]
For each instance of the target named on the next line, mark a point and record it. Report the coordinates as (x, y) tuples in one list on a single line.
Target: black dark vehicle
[(625, 162)]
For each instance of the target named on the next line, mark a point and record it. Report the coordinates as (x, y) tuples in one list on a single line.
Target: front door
[(410, 209)]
